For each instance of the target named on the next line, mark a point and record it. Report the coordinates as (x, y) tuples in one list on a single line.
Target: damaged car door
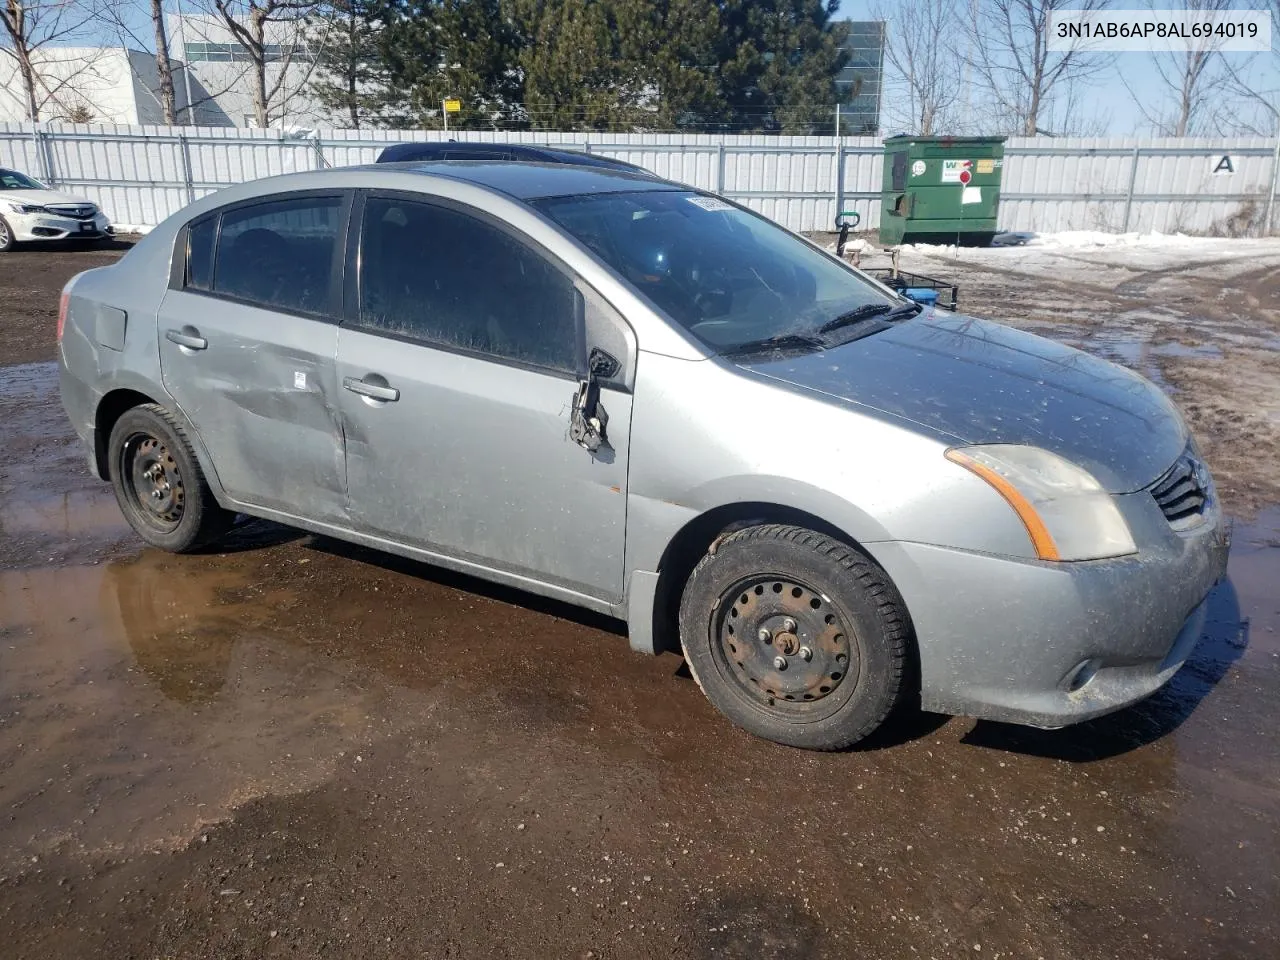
[(476, 426), (247, 337)]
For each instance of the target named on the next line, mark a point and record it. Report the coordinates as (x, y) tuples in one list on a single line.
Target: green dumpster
[(940, 190)]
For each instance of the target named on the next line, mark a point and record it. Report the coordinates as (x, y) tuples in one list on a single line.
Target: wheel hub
[(785, 644)]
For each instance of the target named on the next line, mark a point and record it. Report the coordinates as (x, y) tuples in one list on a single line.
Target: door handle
[(371, 390), (188, 340)]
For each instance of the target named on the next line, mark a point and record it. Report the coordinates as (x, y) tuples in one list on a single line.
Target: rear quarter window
[(199, 271)]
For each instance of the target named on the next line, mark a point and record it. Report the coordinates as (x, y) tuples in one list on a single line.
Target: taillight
[(63, 301)]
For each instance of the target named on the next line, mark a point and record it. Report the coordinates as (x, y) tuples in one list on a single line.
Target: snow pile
[(1091, 239), (1075, 240)]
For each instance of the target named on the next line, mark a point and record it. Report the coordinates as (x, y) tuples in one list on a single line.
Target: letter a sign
[(1225, 166)]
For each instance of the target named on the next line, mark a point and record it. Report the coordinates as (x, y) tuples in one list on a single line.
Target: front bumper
[(38, 227), (1050, 644)]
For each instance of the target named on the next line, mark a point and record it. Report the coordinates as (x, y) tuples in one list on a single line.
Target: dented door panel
[(261, 396)]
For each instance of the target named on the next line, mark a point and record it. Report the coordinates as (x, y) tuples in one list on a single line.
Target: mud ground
[(293, 747)]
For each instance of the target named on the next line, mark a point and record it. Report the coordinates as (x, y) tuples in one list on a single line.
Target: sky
[(1108, 96)]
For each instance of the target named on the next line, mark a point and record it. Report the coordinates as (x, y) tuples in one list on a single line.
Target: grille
[(75, 211), (1183, 492)]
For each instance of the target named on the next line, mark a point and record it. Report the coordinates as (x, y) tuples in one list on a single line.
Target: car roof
[(528, 181)]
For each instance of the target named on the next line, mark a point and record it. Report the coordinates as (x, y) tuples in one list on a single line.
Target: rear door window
[(437, 275), (279, 254)]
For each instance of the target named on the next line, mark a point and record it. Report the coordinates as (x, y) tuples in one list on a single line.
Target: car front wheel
[(7, 242), (795, 636), (158, 482)]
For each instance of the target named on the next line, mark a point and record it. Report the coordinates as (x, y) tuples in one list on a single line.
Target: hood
[(43, 198), (982, 382)]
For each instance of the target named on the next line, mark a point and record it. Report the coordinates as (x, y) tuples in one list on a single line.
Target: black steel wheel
[(795, 636), (152, 480), (786, 646), (158, 482)]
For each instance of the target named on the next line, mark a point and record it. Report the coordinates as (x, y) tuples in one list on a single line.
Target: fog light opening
[(1083, 675)]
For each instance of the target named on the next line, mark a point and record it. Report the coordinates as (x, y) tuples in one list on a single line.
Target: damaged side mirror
[(589, 419)]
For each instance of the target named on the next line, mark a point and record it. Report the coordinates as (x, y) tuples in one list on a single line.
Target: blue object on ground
[(921, 295)]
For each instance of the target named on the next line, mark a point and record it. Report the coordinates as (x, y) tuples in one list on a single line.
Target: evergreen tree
[(569, 62), (778, 63), (591, 64), (350, 76), (433, 49), (667, 49)]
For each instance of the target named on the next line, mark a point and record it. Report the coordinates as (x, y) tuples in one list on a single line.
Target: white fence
[(140, 175)]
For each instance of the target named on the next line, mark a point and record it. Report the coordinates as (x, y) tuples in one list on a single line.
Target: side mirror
[(588, 421)]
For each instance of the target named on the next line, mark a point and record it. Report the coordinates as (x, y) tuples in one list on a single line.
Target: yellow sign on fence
[(452, 105)]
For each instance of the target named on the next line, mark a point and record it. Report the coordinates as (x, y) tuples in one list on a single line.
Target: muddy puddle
[(143, 707)]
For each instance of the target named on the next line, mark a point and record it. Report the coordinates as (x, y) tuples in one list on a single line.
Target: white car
[(31, 212)]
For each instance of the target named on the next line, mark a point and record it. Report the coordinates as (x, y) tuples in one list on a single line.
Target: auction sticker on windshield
[(710, 203)]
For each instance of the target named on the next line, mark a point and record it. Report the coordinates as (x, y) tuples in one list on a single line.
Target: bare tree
[(1194, 83), (925, 74), (119, 18), (164, 69), (1009, 44), (274, 36), (31, 28), (1256, 83)]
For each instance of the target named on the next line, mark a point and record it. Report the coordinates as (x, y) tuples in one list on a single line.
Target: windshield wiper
[(783, 341), (908, 309), (868, 311)]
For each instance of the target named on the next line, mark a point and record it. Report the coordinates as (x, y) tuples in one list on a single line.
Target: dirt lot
[(298, 748)]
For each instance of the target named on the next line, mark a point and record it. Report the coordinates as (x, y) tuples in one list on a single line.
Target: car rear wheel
[(158, 483), (795, 636), (7, 243)]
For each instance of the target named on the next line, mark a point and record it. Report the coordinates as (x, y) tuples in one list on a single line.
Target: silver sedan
[(653, 403)]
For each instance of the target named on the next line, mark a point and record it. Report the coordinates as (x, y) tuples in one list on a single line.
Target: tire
[(7, 243), (159, 484), (812, 595)]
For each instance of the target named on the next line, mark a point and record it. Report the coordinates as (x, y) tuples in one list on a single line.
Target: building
[(861, 80), (88, 85), (220, 68)]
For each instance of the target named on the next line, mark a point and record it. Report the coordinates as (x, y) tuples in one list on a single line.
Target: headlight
[(1067, 513), (25, 208)]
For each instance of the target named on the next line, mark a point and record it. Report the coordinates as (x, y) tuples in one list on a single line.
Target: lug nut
[(765, 636), (788, 625), (780, 662), (806, 654)]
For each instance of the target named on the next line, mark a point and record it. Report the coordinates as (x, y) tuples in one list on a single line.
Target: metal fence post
[(839, 193), (720, 167), (1133, 180), (42, 153), (1269, 224), (184, 146)]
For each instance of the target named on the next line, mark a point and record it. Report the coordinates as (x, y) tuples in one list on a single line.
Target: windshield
[(12, 180), (728, 276)]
